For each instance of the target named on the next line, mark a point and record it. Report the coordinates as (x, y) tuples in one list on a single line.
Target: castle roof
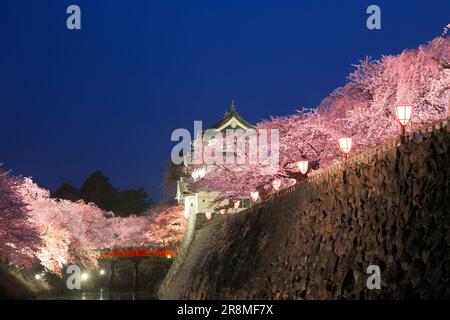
[(232, 118)]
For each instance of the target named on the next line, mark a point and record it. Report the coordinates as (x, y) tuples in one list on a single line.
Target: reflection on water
[(105, 295)]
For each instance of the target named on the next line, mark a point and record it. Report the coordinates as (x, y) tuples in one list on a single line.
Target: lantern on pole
[(254, 195), (346, 145), (276, 184), (302, 166), (403, 114)]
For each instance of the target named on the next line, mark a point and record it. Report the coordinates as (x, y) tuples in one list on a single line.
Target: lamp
[(302, 166), (254, 195), (276, 184), (403, 114), (345, 144)]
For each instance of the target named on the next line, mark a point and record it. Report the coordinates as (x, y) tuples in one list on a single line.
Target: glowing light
[(37, 276), (198, 173), (223, 211), (169, 256), (403, 114), (102, 272), (302, 166), (254, 195), (346, 145), (276, 184), (84, 276), (208, 215), (237, 204)]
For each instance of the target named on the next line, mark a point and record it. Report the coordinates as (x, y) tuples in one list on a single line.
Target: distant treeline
[(98, 189)]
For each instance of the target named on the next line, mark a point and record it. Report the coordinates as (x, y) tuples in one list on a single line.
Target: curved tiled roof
[(232, 114)]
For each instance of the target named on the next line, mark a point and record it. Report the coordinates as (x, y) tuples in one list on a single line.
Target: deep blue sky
[(108, 97)]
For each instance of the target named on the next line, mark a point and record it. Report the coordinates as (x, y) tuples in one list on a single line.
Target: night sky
[(107, 97)]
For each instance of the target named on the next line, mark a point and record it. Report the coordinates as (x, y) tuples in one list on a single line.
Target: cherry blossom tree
[(167, 225), (19, 238), (64, 227), (76, 232), (362, 109)]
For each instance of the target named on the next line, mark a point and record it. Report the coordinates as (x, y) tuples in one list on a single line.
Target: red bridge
[(129, 253)]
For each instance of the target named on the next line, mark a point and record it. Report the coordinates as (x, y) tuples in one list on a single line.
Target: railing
[(366, 155), (141, 252)]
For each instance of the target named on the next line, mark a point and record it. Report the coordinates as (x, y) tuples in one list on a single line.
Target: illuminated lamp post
[(346, 145), (303, 166), (403, 114), (84, 279), (276, 184), (84, 276), (254, 195)]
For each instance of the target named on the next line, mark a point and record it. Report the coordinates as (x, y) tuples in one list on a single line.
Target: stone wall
[(388, 207)]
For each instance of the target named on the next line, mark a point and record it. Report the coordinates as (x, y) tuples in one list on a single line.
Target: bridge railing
[(139, 252)]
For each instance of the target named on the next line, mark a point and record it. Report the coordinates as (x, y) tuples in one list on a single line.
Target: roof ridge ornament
[(233, 114)]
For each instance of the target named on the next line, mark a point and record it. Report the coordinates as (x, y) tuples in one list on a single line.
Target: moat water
[(104, 295)]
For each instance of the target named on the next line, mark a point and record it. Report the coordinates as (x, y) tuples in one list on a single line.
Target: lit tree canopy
[(362, 109), (18, 237), (37, 228)]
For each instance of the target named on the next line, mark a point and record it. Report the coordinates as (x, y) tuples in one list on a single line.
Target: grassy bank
[(21, 284)]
